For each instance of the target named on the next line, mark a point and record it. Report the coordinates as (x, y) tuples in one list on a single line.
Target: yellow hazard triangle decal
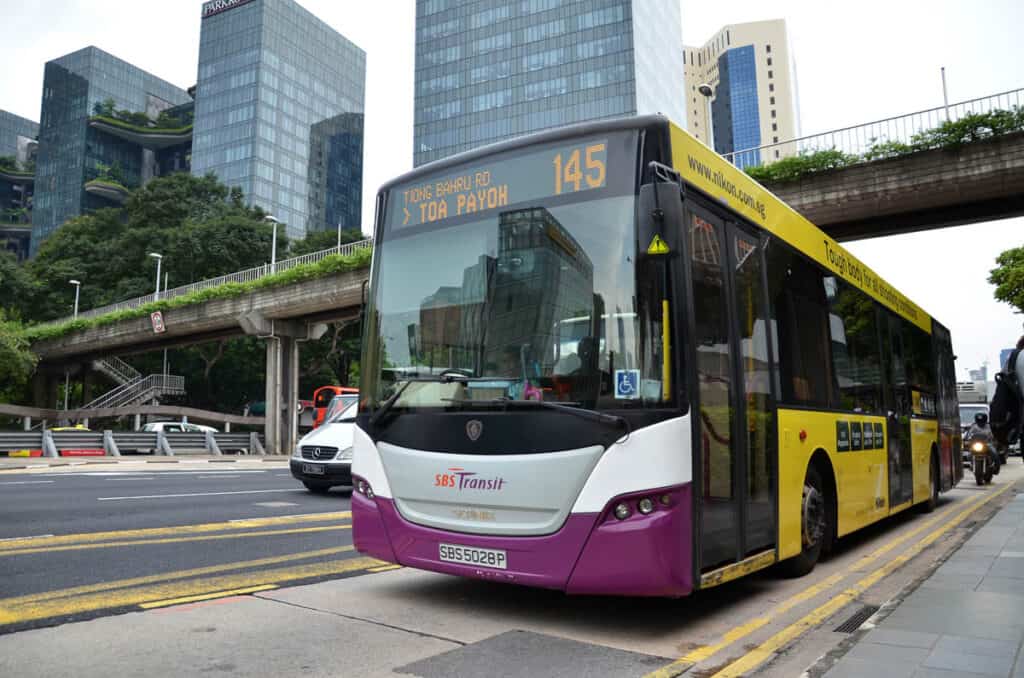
[(658, 246)]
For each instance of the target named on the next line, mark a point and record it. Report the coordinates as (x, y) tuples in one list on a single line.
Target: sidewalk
[(966, 619)]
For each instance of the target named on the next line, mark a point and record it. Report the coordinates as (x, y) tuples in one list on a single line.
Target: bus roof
[(724, 182)]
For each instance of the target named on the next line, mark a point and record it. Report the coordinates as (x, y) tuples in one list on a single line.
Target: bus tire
[(816, 524), (933, 486)]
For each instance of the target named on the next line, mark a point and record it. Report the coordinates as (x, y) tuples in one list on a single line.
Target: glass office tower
[(70, 150), (490, 69), (273, 80), (16, 132)]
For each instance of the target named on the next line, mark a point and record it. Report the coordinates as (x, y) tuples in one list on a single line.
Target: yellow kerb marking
[(13, 611), (207, 596), (170, 576), (767, 649), (173, 540), (742, 631), (385, 568), (176, 530)]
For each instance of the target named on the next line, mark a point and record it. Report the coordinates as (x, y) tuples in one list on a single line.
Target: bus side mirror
[(660, 218)]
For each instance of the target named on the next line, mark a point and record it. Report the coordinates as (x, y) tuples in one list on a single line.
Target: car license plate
[(467, 555), (313, 469)]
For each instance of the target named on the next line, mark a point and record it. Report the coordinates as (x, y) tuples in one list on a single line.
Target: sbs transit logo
[(461, 479)]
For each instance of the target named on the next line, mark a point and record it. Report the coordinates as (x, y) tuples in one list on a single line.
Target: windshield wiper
[(568, 408), (447, 376)]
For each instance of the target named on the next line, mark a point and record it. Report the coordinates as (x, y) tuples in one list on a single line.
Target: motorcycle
[(983, 458)]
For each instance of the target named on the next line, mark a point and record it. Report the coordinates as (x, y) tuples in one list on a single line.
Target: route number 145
[(579, 166)]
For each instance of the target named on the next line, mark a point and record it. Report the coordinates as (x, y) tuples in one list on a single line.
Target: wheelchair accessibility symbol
[(627, 384)]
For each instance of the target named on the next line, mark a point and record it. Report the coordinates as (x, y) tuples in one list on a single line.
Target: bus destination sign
[(507, 180)]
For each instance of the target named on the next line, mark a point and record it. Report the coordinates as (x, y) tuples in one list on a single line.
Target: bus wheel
[(933, 487), (816, 525)]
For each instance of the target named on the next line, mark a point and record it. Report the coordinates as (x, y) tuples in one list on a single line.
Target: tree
[(15, 285), (1008, 277), (316, 241), (17, 362), (105, 108)]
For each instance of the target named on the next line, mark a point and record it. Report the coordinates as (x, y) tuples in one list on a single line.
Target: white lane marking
[(35, 536), (196, 494), (29, 482), (132, 478), (218, 477), (274, 504)]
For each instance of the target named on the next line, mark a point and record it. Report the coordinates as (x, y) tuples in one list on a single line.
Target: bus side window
[(798, 306)]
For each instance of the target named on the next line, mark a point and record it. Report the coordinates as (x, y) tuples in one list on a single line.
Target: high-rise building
[(491, 69), (17, 136), (275, 84), (750, 70), (82, 162), (17, 179)]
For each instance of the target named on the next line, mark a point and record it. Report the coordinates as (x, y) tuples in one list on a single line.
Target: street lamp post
[(706, 90), (67, 377), (159, 259), (273, 243)]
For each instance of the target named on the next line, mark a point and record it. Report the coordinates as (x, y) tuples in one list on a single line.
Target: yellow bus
[(737, 390)]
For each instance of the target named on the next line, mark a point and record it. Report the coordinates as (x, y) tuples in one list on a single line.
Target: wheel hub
[(813, 516)]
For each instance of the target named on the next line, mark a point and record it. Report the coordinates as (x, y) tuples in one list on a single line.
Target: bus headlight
[(645, 505), (622, 511)]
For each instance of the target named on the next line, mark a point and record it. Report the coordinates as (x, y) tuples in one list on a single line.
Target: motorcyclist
[(981, 429)]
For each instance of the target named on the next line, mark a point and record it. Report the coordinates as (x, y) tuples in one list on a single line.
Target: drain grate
[(856, 619)]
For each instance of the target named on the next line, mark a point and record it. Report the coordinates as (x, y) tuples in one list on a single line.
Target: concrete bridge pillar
[(282, 394), (282, 376)]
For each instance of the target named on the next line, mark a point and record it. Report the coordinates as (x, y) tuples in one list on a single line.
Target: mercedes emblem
[(474, 427)]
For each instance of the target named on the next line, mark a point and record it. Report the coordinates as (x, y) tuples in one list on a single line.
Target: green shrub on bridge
[(329, 265), (951, 134)]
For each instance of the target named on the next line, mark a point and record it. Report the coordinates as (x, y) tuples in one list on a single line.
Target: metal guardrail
[(50, 443), (247, 275), (858, 139)]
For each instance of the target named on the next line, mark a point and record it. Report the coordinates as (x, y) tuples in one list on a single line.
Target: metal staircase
[(133, 387)]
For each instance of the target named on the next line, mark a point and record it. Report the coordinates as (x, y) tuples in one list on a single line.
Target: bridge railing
[(859, 139), (248, 275)]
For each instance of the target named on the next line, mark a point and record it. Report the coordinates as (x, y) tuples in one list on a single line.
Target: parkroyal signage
[(218, 6)]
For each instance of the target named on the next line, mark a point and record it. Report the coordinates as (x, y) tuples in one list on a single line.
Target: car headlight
[(344, 455), (297, 452)]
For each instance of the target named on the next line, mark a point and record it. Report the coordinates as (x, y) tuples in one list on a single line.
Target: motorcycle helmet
[(981, 419)]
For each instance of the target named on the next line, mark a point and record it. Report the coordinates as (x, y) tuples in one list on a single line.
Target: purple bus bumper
[(592, 553)]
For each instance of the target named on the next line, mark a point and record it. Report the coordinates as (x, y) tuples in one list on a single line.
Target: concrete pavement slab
[(522, 653), (250, 636), (904, 638)]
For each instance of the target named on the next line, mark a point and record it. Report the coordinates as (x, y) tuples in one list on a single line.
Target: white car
[(177, 427), (323, 457)]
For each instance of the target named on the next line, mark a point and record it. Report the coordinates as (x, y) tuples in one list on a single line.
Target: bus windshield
[(530, 300)]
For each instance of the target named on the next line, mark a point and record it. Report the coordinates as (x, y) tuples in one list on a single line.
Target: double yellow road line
[(754, 657), (181, 586)]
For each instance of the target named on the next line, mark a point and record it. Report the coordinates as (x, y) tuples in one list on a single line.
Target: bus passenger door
[(735, 448), (898, 411)]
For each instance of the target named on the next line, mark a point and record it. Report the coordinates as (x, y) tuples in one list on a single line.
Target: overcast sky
[(855, 62)]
